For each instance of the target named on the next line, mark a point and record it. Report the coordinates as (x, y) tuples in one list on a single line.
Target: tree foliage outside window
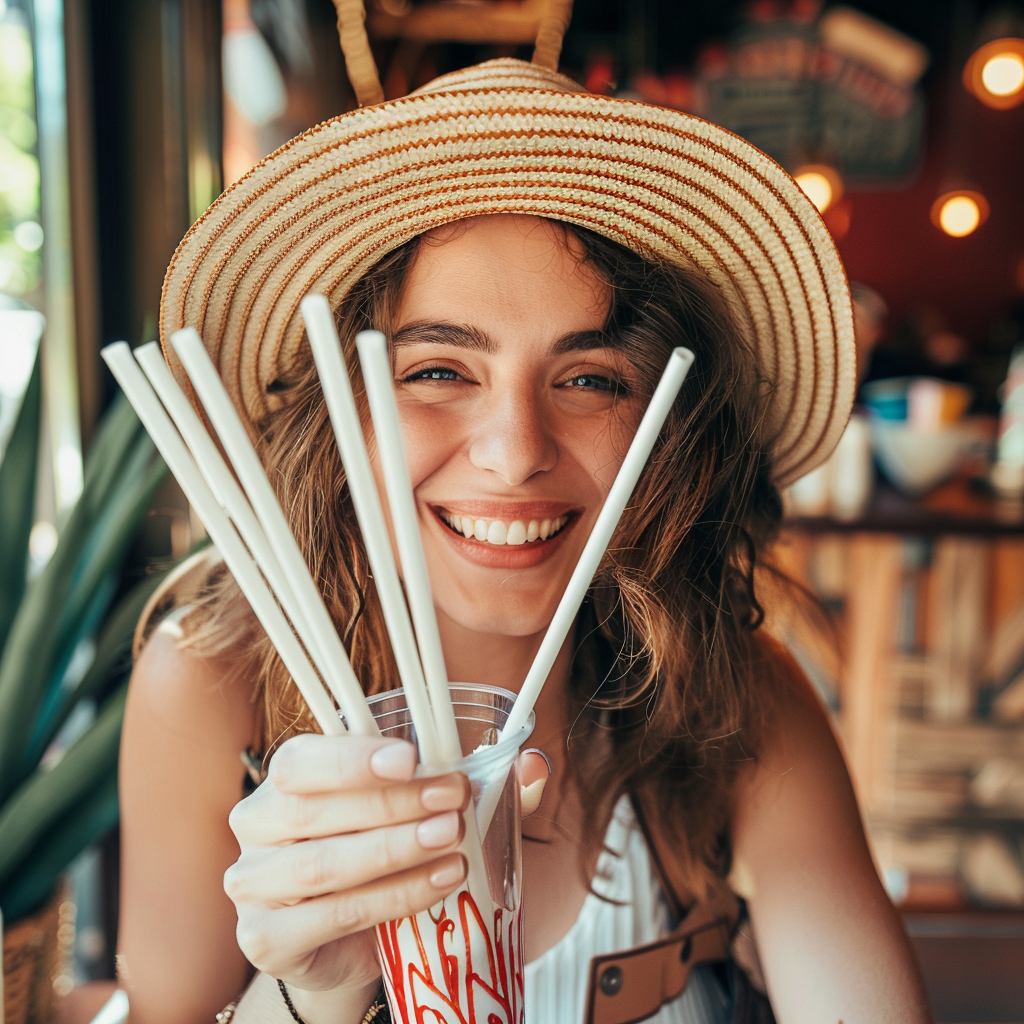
[(21, 236)]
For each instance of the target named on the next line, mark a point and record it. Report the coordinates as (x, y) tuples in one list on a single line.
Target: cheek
[(599, 451), (431, 440)]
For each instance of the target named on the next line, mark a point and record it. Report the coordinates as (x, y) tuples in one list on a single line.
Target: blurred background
[(121, 120)]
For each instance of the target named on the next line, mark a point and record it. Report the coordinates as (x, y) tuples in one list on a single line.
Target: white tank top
[(556, 982)]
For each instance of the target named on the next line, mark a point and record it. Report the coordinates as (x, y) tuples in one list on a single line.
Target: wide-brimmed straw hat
[(509, 136)]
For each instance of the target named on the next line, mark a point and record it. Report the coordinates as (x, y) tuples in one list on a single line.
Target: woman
[(524, 350)]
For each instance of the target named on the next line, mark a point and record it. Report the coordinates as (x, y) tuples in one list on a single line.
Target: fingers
[(275, 938), (326, 764), (286, 875), (270, 817)]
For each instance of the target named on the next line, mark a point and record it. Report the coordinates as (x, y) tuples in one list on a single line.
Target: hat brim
[(508, 137)]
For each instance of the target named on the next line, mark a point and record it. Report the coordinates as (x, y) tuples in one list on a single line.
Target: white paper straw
[(672, 378), (380, 392), (219, 478), (341, 405), (218, 405), (170, 445)]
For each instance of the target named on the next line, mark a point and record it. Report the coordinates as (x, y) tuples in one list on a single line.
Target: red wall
[(892, 245)]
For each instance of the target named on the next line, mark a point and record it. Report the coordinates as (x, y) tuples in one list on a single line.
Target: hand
[(339, 838)]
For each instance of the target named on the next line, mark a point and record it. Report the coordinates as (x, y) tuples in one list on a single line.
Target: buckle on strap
[(634, 984)]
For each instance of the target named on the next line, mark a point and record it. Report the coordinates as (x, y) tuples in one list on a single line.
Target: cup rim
[(478, 762)]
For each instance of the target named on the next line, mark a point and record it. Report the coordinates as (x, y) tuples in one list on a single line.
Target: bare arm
[(831, 944), (185, 723)]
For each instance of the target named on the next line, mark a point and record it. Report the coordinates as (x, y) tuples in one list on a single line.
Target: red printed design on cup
[(454, 970)]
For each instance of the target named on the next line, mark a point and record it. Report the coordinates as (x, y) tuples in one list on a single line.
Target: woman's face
[(515, 416)]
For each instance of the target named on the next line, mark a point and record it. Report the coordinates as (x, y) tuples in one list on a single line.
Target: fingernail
[(530, 796), (439, 831), (449, 874), (443, 795), (394, 761)]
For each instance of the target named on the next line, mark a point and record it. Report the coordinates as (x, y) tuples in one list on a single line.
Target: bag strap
[(632, 985)]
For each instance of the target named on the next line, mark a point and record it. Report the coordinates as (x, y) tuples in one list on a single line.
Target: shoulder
[(797, 792), (187, 720), (791, 712), (801, 860), (178, 696), (175, 688)]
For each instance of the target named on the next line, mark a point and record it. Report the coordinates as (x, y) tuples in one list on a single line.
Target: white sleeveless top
[(556, 982)]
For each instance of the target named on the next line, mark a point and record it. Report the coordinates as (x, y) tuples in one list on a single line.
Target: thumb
[(534, 771)]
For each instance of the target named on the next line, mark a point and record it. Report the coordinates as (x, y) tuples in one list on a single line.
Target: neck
[(501, 660)]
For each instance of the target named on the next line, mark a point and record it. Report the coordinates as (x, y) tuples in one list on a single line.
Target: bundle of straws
[(245, 521)]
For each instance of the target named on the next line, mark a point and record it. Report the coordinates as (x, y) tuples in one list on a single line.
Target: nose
[(512, 438)]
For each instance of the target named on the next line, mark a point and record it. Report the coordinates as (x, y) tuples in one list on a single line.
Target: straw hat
[(508, 136)]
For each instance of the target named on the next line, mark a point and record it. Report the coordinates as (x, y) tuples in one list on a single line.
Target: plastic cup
[(458, 962)]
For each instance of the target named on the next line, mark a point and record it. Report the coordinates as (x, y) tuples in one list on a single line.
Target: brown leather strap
[(553, 23), (359, 62), (631, 986)]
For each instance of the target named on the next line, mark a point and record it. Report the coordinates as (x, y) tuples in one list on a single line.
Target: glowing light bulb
[(817, 188), (959, 215), (995, 73), (821, 184), (1003, 74)]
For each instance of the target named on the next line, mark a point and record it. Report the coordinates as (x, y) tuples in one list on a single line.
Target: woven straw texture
[(512, 137), (31, 957)]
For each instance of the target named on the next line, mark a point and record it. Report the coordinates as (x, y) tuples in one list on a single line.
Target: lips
[(506, 535)]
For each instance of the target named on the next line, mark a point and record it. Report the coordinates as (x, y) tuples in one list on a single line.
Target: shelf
[(962, 506)]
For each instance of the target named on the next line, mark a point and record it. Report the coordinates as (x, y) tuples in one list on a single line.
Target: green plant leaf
[(17, 498), (90, 820), (95, 539), (50, 793), (112, 533), (28, 656), (112, 657)]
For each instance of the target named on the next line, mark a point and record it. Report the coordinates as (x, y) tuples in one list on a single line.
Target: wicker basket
[(33, 956)]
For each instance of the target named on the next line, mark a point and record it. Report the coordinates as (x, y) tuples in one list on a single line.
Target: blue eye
[(432, 373), (595, 382)]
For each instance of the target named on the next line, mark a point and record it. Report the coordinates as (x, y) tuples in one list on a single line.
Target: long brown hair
[(667, 661)]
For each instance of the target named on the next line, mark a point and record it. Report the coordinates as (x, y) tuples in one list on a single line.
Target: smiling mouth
[(501, 533)]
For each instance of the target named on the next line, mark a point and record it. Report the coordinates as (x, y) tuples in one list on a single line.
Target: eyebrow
[(443, 332)]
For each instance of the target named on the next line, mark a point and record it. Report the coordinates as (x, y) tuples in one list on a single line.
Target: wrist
[(332, 1006), (261, 1003)]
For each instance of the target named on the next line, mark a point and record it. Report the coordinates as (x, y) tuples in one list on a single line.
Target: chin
[(500, 619)]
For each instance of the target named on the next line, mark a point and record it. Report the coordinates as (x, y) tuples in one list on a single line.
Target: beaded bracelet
[(379, 1008)]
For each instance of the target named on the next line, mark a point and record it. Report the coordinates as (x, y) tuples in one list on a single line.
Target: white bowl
[(916, 461)]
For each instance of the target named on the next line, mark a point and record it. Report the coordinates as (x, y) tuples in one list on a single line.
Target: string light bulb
[(821, 184), (960, 213), (995, 73)]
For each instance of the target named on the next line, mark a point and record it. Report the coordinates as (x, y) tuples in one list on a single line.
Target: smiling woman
[(534, 256)]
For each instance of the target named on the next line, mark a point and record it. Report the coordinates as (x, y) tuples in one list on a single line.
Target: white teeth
[(494, 531), (516, 533)]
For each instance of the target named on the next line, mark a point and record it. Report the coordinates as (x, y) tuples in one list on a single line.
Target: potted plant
[(65, 643)]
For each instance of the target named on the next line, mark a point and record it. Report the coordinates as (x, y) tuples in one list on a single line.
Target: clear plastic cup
[(459, 962)]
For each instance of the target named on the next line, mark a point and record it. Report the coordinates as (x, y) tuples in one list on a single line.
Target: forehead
[(504, 270)]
